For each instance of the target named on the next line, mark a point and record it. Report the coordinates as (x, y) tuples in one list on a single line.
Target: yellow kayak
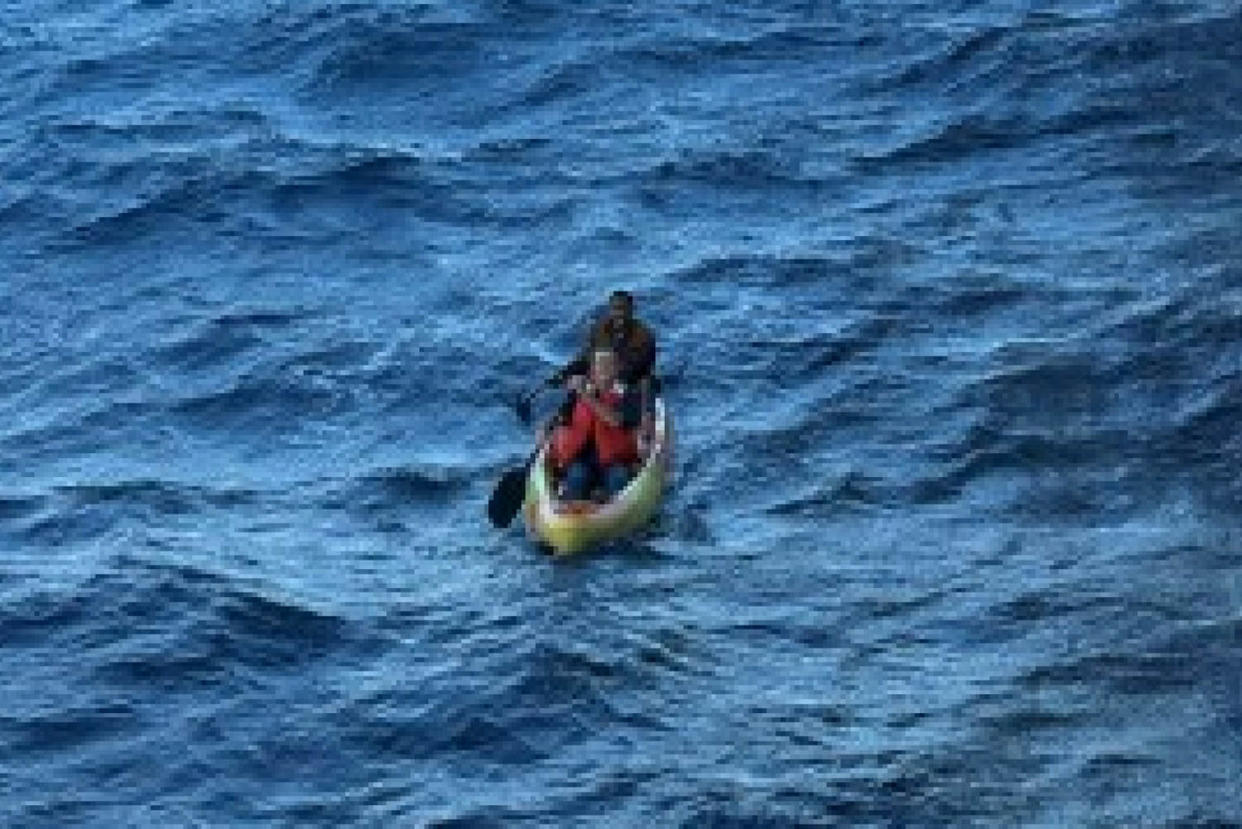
[(571, 526)]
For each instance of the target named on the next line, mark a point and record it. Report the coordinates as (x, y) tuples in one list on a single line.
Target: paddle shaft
[(510, 491), (522, 406)]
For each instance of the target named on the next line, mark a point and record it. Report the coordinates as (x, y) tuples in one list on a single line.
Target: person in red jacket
[(598, 444)]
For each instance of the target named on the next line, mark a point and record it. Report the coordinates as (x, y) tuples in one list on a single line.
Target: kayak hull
[(570, 527)]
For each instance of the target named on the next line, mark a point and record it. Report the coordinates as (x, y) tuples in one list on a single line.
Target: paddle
[(510, 492), (523, 403)]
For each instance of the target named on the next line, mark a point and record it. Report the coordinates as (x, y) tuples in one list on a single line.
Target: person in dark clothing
[(631, 341)]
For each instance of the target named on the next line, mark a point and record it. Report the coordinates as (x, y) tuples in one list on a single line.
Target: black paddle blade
[(508, 497), (522, 406)]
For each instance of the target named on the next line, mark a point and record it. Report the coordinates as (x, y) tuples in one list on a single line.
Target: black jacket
[(635, 348)]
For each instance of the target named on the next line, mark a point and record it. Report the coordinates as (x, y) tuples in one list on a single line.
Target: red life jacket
[(569, 439), (613, 444)]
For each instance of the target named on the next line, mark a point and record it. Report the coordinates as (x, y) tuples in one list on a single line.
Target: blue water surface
[(949, 303)]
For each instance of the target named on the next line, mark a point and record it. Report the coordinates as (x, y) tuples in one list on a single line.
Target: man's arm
[(578, 365), (631, 409), (639, 358), (581, 364)]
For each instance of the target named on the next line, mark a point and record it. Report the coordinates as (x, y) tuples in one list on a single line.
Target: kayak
[(571, 526)]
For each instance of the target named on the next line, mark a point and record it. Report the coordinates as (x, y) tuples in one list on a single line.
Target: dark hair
[(622, 295)]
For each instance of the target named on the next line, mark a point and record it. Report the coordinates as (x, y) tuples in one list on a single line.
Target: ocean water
[(949, 304)]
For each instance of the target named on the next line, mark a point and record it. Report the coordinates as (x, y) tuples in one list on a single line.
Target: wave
[(1137, 674), (83, 512), (17, 507), (969, 297), (211, 630), (1031, 475), (988, 130), (1061, 435), (599, 68), (1044, 433), (726, 168), (498, 722), (272, 185), (776, 45), (369, 44), (175, 124), (385, 497), (159, 496), (68, 730), (224, 338), (962, 61), (750, 269), (150, 620), (75, 429), (851, 493), (827, 280), (189, 197), (264, 402), (1019, 86), (1180, 366), (534, 12), (517, 701)]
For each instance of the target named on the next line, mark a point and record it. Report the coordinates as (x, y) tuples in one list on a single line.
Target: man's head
[(620, 309), (604, 367)]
